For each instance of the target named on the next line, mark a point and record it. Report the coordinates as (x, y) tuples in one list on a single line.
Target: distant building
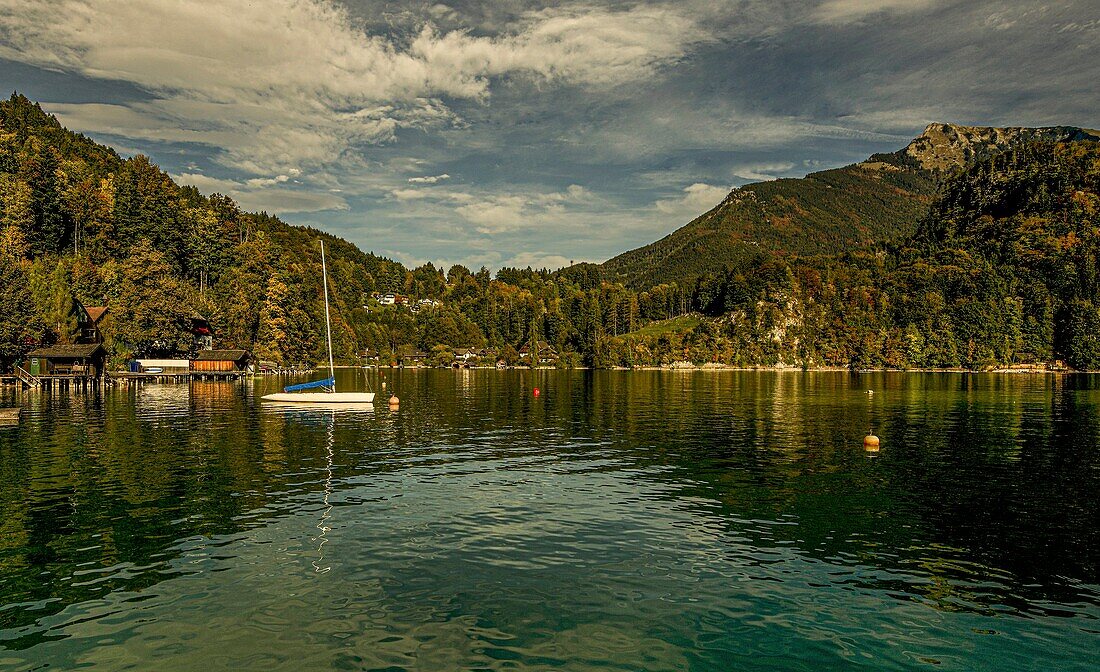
[(546, 353), (414, 358), (388, 299)]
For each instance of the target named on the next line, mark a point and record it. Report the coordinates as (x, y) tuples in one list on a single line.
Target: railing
[(26, 377)]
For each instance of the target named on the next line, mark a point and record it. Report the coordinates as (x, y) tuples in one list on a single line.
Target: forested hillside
[(1001, 269), (825, 213), (78, 223)]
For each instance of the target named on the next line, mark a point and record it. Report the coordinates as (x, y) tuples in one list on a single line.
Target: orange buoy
[(394, 402), (871, 443)]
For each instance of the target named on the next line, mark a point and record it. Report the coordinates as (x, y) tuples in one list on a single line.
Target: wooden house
[(220, 361), (85, 360), (546, 355), (89, 323)]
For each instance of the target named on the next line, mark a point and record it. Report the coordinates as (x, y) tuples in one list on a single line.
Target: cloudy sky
[(516, 132)]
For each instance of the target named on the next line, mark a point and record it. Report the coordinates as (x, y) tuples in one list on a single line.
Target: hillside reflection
[(982, 498)]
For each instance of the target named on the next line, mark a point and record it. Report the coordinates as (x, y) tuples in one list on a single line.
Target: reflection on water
[(628, 520)]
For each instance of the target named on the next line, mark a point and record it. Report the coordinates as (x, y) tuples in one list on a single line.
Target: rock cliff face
[(948, 146)]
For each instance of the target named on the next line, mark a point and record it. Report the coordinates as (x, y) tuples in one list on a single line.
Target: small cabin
[(83, 360), (220, 361)]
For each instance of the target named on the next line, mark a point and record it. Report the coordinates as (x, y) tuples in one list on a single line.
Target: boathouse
[(75, 361), (220, 361), (168, 367)]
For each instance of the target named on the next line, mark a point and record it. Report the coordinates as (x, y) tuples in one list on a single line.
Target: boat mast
[(328, 325)]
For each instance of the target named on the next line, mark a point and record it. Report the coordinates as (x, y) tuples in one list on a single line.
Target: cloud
[(761, 172), (697, 199), (296, 83), (502, 213), (410, 194), (538, 260), (851, 11), (258, 195), (429, 179), (268, 181)]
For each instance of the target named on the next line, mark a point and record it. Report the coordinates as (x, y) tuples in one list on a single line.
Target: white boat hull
[(321, 397)]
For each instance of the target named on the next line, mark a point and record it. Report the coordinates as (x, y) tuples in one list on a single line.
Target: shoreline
[(724, 367)]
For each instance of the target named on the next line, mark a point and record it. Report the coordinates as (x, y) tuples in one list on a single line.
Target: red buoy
[(537, 393)]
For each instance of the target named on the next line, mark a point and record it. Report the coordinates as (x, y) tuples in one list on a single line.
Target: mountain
[(1002, 268), (828, 212)]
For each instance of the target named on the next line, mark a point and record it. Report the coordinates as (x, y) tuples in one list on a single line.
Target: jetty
[(82, 367)]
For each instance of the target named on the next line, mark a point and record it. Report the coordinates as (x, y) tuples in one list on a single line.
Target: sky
[(516, 132)]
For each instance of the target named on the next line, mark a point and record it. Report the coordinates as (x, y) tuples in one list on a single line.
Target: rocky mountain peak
[(947, 146)]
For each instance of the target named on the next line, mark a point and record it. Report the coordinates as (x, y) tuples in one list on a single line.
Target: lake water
[(620, 520)]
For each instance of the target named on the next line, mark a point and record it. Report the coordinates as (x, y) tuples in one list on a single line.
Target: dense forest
[(1000, 269)]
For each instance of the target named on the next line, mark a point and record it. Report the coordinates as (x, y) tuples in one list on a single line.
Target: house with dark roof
[(86, 360), (89, 323)]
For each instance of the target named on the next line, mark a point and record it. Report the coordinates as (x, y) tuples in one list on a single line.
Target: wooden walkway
[(77, 381)]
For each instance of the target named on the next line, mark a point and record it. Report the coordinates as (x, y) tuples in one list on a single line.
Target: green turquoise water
[(619, 520)]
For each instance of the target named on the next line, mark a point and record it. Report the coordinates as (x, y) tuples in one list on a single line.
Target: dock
[(79, 382)]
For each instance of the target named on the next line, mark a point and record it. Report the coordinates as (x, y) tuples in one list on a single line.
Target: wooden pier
[(80, 382)]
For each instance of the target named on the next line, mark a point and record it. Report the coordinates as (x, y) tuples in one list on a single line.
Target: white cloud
[(538, 260), (851, 11), (502, 213), (295, 83), (410, 194), (697, 199), (429, 179), (257, 195), (761, 172), (493, 213)]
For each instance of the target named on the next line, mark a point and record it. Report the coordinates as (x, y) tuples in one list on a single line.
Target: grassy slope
[(823, 213)]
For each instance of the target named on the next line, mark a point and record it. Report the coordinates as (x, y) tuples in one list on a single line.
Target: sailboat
[(297, 394)]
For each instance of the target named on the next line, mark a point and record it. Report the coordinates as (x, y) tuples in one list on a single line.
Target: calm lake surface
[(620, 520)]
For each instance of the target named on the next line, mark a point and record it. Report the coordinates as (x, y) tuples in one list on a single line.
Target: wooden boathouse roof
[(220, 355), (67, 351)]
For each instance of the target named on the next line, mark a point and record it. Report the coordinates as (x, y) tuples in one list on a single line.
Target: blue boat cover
[(327, 382)]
